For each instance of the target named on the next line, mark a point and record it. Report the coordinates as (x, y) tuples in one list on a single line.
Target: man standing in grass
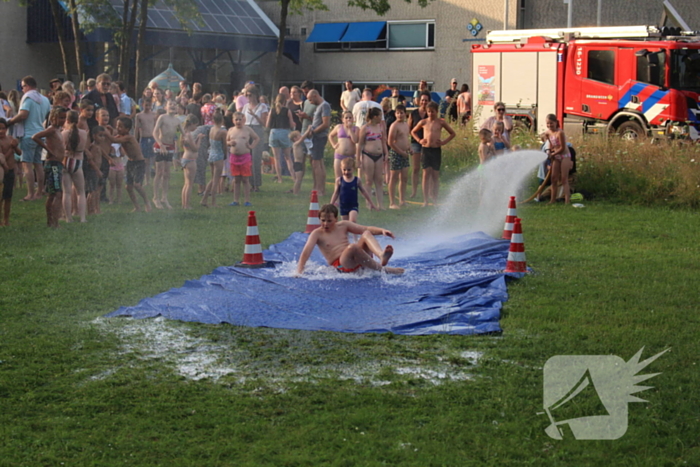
[(33, 110), (319, 137)]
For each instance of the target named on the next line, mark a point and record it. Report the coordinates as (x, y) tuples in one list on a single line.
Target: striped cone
[(516, 253), (312, 221), (510, 219), (252, 255)]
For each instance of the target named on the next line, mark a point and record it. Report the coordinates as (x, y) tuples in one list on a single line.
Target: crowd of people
[(78, 147)]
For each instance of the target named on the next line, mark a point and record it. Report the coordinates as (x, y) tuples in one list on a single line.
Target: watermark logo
[(587, 395)]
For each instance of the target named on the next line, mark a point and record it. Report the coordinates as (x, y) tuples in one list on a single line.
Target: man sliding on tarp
[(332, 240)]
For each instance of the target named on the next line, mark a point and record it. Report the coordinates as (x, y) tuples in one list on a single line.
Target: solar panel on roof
[(220, 16)]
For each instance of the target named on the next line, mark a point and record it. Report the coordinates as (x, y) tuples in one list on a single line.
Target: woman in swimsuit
[(560, 156), (76, 141), (189, 158), (344, 138), (372, 151), (217, 143)]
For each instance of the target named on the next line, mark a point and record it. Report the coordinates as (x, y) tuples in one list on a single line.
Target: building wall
[(19, 59), (553, 13), (449, 59)]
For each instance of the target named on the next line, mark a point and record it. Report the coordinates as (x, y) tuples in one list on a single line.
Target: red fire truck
[(635, 81)]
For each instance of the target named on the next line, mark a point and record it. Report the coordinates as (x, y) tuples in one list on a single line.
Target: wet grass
[(608, 279)]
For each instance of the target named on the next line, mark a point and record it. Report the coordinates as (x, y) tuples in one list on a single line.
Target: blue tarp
[(454, 287)]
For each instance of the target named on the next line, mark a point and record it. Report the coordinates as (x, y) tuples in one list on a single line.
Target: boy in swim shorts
[(241, 139), (432, 150), (332, 240), (400, 156), (165, 134), (53, 166)]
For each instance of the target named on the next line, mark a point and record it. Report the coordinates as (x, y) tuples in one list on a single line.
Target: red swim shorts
[(339, 268), (241, 165)]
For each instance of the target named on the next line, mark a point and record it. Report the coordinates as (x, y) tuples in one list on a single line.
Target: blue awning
[(327, 32), (363, 32)]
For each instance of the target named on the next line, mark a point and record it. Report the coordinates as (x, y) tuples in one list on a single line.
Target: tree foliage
[(381, 7)]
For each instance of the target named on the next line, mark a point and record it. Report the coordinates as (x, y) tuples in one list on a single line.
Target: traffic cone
[(516, 253), (510, 218), (252, 255), (312, 221)]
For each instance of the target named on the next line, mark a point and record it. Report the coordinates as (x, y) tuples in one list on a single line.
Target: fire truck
[(635, 81)]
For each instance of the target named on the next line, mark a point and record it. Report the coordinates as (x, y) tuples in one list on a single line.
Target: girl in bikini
[(371, 152), (189, 158), (499, 142), (76, 142), (560, 157), (344, 138), (217, 144)]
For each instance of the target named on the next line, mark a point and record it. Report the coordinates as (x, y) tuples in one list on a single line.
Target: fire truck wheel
[(631, 131)]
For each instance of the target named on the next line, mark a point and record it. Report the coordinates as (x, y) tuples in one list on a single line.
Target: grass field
[(78, 389)]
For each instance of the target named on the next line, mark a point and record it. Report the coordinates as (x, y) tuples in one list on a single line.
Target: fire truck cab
[(635, 81)]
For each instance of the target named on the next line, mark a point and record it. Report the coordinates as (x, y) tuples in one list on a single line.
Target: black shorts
[(104, 168), (431, 158), (135, 170), (160, 157), (319, 143), (9, 184), (91, 179)]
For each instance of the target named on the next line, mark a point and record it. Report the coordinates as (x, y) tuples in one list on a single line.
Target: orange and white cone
[(516, 254), (312, 221), (252, 255), (510, 219)]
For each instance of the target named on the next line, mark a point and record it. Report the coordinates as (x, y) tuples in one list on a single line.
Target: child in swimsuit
[(53, 167), (217, 143), (76, 142), (344, 138), (371, 151), (560, 156), (241, 139), (346, 188), (432, 144), (9, 146), (189, 158), (499, 142), (332, 240)]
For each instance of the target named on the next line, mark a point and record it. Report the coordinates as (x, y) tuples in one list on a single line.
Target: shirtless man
[(164, 133), (332, 240), (135, 166), (144, 123), (431, 145), (53, 167)]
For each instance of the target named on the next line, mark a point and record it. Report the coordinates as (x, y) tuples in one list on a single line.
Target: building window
[(303, 31), (287, 31), (411, 35), (601, 66)]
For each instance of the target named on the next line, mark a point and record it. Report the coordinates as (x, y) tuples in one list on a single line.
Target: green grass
[(78, 390)]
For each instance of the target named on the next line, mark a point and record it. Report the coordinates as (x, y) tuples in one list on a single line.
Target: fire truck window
[(601, 66), (650, 68)]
